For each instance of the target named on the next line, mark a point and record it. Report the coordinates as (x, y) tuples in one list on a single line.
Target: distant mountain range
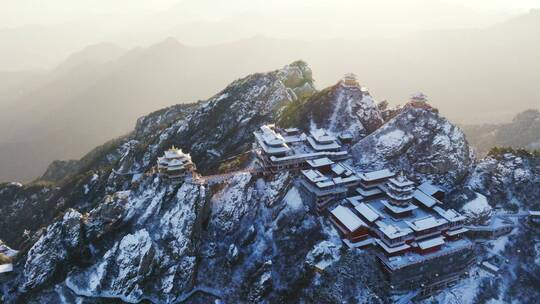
[(63, 113), (29, 43), (98, 93), (522, 132)]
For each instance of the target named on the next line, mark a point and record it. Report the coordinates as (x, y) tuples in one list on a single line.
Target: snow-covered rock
[(157, 261), (262, 284), (342, 109), (420, 142), (298, 77), (508, 179), (23, 209), (323, 255), (293, 199), (122, 272), (7, 251), (231, 205), (61, 242), (226, 121), (477, 206), (232, 253), (260, 248)]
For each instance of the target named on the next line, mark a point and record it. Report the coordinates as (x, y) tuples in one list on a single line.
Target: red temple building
[(407, 229)]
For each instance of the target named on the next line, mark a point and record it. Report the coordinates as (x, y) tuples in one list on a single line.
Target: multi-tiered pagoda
[(175, 164)]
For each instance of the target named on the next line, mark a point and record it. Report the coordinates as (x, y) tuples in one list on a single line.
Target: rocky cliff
[(421, 143), (510, 178), (510, 182), (211, 131), (341, 108)]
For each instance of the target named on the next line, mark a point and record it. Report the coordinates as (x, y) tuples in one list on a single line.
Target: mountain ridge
[(116, 229), (522, 132), (106, 98)]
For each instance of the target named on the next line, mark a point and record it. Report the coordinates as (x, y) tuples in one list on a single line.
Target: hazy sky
[(62, 27), (22, 12)]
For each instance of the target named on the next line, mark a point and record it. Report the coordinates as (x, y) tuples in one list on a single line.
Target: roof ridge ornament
[(401, 176)]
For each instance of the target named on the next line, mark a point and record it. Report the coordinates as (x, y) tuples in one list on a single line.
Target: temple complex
[(418, 242), (288, 149), (409, 230)]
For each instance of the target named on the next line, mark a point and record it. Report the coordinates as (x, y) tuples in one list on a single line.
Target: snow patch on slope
[(478, 205), (393, 139), (323, 254), (293, 199)]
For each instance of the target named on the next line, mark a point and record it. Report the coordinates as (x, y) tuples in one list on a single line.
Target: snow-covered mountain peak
[(343, 107), (421, 143)]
